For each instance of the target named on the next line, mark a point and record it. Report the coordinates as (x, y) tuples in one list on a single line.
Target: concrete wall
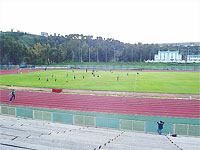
[(97, 121)]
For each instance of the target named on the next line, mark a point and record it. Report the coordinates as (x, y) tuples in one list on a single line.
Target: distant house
[(44, 34), (168, 56), (193, 58)]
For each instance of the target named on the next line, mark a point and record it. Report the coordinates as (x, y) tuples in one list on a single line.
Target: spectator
[(160, 127)]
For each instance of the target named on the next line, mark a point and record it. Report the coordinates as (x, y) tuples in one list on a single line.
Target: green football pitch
[(155, 82)]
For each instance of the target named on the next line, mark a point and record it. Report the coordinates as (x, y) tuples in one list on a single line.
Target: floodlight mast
[(89, 54)]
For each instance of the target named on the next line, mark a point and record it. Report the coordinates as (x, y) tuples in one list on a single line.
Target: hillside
[(18, 47)]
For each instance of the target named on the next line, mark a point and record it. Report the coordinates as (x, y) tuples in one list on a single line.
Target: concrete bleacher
[(19, 133)]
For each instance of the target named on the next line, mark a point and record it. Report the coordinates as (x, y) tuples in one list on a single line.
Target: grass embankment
[(155, 82)]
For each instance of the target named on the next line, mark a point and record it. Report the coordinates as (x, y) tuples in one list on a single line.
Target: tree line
[(21, 47)]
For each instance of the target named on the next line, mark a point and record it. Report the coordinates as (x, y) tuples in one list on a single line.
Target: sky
[(129, 21)]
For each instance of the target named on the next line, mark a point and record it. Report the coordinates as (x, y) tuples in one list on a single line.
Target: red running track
[(15, 71), (106, 104)]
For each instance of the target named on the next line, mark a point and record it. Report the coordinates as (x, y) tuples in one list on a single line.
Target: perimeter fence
[(105, 67)]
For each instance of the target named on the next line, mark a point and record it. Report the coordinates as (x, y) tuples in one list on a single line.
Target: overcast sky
[(130, 21)]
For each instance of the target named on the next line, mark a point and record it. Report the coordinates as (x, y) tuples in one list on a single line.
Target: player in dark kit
[(117, 78), (13, 94)]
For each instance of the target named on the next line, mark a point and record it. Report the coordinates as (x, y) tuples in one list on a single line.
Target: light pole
[(73, 55), (81, 56), (106, 54), (188, 53), (114, 56), (132, 53), (89, 54), (97, 55)]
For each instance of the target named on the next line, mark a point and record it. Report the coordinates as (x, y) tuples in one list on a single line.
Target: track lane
[(106, 104)]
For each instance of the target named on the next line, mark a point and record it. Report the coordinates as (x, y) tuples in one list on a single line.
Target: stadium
[(101, 101), (99, 75)]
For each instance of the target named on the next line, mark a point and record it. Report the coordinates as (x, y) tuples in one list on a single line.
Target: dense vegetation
[(20, 47)]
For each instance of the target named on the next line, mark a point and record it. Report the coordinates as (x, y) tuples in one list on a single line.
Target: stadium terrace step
[(72, 137)]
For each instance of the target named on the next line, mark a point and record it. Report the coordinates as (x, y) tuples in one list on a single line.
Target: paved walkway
[(18, 133), (197, 96)]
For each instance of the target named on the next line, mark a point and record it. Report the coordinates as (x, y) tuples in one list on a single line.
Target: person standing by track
[(160, 127), (13, 94), (10, 97)]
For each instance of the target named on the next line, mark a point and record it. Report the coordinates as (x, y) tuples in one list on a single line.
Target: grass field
[(156, 82)]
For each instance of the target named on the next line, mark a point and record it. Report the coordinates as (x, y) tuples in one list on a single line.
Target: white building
[(44, 34), (193, 58), (168, 56)]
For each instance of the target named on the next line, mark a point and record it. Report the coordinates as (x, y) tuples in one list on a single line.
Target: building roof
[(193, 55), (169, 51)]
